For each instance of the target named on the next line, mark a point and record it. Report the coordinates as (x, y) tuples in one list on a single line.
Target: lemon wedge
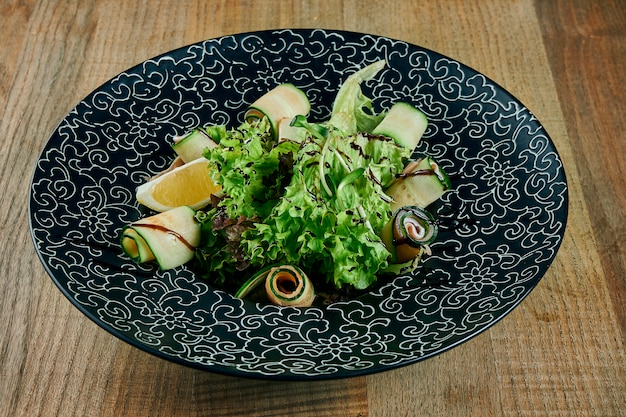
[(187, 185)]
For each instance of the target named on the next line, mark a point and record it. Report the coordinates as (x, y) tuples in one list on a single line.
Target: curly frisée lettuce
[(252, 169), (332, 209)]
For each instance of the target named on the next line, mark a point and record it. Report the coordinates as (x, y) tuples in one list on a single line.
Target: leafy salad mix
[(318, 196)]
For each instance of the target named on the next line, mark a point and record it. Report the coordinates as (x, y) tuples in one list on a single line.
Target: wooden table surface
[(560, 353)]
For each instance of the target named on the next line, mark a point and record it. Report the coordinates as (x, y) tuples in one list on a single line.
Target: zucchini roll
[(288, 285), (170, 238), (420, 184), (280, 105), (285, 285), (192, 145), (408, 233)]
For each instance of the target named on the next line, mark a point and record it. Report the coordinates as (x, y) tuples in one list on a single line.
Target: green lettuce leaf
[(251, 168), (331, 210), (352, 111)]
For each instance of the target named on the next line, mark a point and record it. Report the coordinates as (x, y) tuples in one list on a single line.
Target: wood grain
[(561, 352), (587, 39)]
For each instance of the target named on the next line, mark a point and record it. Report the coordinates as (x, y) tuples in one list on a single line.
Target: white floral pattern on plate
[(501, 225)]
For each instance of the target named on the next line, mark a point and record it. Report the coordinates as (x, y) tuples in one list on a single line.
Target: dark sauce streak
[(205, 133), (449, 247), (345, 156), (373, 178), (455, 224), (456, 176), (168, 231), (371, 136), (430, 279), (448, 219), (359, 149), (416, 173)]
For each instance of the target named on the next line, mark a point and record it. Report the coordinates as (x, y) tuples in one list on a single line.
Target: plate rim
[(233, 371)]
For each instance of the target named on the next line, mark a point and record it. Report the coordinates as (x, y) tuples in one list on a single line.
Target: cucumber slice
[(253, 282), (191, 146), (403, 123), (135, 247), (170, 237), (420, 184), (285, 101), (287, 131)]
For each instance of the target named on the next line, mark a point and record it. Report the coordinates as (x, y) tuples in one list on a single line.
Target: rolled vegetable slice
[(287, 130), (408, 233), (192, 145), (403, 123), (253, 282), (285, 101), (420, 184), (288, 285), (170, 238), (135, 247)]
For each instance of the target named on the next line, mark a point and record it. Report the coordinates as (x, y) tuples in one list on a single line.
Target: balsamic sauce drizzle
[(167, 231)]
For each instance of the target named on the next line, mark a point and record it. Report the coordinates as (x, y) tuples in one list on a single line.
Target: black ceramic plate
[(506, 214)]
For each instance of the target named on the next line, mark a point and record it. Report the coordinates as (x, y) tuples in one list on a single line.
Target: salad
[(296, 211)]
